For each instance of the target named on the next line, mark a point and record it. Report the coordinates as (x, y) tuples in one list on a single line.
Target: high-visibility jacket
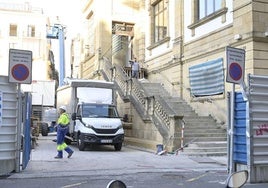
[(63, 119)]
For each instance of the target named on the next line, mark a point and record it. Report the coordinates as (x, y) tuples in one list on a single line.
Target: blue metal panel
[(240, 144), (27, 130)]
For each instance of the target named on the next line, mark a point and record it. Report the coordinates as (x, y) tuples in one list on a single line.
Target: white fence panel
[(8, 126), (258, 128)]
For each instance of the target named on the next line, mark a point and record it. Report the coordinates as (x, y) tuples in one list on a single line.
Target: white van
[(95, 120)]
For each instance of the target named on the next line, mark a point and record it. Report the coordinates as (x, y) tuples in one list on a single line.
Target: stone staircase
[(202, 135)]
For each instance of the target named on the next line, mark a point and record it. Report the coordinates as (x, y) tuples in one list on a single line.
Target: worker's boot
[(59, 156), (69, 151)]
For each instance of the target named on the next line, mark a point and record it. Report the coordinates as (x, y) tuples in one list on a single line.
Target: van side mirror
[(73, 116), (116, 184), (237, 179)]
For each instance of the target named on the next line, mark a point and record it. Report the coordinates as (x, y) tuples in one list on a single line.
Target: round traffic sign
[(20, 72), (235, 71)]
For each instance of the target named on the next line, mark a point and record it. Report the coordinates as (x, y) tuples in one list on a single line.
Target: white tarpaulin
[(207, 78)]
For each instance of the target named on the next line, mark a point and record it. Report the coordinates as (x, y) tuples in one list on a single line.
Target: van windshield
[(99, 111)]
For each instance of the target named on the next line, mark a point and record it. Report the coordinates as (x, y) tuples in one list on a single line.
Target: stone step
[(174, 99), (155, 89), (207, 144), (203, 154), (204, 139), (181, 108), (199, 119), (201, 125), (203, 130), (204, 124), (186, 113), (175, 102), (204, 135), (205, 149)]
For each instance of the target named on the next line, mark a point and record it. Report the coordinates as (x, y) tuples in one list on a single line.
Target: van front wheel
[(118, 146), (80, 143)]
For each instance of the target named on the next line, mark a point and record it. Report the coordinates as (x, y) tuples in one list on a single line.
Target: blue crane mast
[(57, 32)]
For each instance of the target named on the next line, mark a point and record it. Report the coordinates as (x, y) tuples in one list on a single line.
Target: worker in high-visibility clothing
[(62, 129)]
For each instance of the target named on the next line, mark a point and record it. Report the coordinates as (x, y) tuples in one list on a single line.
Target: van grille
[(105, 131)]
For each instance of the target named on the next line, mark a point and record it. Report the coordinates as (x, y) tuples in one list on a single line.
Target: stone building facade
[(170, 37), (24, 27)]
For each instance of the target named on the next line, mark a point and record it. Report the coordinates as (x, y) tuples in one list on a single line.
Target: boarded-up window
[(117, 43), (207, 78)]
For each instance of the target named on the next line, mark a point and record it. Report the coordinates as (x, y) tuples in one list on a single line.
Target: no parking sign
[(20, 66), (235, 65)]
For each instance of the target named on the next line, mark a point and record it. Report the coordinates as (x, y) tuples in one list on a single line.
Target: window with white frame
[(160, 20), (208, 7), (206, 10), (31, 31)]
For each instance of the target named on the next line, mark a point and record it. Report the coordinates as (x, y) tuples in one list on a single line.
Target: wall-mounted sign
[(20, 66)]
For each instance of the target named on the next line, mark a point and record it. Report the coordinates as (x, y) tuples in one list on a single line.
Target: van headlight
[(86, 125), (120, 126)]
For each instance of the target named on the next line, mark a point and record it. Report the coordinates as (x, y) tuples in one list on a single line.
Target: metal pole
[(19, 121), (182, 133), (228, 130), (232, 130)]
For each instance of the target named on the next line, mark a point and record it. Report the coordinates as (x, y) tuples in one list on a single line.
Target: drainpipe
[(181, 78), (99, 61), (181, 51)]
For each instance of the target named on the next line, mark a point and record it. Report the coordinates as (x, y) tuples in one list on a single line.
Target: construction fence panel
[(26, 145), (8, 125), (240, 143), (257, 128)]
